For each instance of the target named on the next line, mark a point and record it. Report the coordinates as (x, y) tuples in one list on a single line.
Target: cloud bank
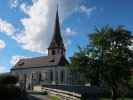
[(38, 26)]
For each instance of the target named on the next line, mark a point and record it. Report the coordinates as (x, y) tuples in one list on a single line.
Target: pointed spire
[(57, 24), (57, 41)]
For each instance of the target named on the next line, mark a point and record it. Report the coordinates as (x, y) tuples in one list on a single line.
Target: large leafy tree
[(107, 58), (86, 63)]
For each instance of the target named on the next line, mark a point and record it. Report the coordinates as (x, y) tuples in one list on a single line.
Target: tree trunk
[(114, 93)]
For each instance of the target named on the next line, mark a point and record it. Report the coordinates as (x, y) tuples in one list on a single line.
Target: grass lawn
[(54, 98)]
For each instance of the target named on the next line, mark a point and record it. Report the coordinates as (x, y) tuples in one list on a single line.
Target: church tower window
[(53, 52)]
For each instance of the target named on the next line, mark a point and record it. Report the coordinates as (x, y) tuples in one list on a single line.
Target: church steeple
[(57, 24), (56, 45)]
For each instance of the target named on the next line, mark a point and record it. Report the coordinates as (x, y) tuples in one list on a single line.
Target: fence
[(72, 92)]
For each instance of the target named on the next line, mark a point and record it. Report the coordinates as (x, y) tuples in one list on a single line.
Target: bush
[(45, 93), (8, 79), (130, 93), (11, 92), (8, 90)]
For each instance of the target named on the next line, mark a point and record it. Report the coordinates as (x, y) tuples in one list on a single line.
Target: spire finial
[(57, 9)]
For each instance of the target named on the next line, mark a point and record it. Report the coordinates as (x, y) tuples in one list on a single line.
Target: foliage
[(8, 79), (131, 82), (8, 90), (108, 59), (86, 65), (45, 93)]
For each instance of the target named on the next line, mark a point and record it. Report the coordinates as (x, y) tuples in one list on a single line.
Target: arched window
[(53, 52)]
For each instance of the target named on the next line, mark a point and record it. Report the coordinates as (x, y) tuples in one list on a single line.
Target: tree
[(8, 79), (108, 58), (84, 63)]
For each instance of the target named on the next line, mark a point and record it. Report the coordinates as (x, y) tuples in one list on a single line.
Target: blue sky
[(26, 26)]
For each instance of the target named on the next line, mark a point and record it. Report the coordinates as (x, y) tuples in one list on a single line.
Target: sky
[(26, 26)]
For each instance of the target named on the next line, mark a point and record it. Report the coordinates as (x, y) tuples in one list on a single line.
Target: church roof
[(44, 61), (57, 41)]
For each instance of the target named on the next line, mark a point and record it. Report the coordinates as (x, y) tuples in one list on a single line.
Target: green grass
[(54, 98)]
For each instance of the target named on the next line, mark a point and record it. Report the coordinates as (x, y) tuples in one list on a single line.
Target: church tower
[(56, 46)]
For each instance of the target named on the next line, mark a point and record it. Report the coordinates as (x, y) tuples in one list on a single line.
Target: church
[(45, 69)]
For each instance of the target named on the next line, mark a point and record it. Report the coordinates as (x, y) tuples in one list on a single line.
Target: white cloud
[(87, 10), (3, 69), (2, 44), (23, 7), (38, 26), (69, 32), (16, 58), (14, 3), (68, 42), (36, 34), (7, 27)]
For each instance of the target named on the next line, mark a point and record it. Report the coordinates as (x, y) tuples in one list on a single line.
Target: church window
[(56, 77), (53, 52), (62, 76)]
